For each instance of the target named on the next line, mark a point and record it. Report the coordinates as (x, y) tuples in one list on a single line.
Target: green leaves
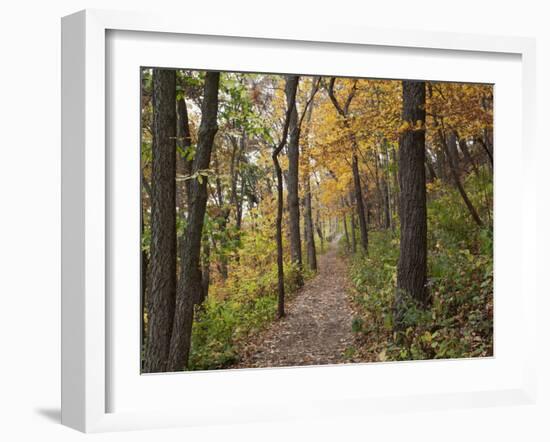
[(199, 175), (459, 322)]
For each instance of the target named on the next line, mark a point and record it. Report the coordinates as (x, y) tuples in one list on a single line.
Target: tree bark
[(184, 143), (412, 265), (352, 226), (163, 222), (144, 282), (292, 180), (290, 89), (190, 281), (346, 233), (359, 205), (308, 228), (309, 233)]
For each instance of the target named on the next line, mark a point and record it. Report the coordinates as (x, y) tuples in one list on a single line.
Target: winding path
[(317, 326)]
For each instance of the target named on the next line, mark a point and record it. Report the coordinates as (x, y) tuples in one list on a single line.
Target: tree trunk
[(397, 192), (163, 222), (359, 205), (432, 176), (412, 265), (449, 145), (346, 233), (353, 239), (290, 89), (144, 270), (279, 240), (467, 155), (184, 143), (308, 227), (205, 273), (190, 278), (309, 232), (292, 181)]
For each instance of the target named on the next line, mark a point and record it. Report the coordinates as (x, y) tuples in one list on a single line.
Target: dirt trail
[(317, 326)]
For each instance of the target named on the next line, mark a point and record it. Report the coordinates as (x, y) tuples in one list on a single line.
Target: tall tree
[(413, 252), (290, 88), (309, 232), (190, 282), (160, 311), (343, 110), (293, 150), (449, 144)]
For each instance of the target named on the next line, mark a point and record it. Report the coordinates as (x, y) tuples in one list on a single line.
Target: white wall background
[(30, 215)]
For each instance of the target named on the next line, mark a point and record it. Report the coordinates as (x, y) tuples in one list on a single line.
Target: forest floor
[(317, 326)]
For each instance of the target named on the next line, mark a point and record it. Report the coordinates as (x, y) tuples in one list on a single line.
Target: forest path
[(317, 326)]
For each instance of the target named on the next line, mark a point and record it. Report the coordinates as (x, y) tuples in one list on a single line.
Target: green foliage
[(459, 322), (245, 304)]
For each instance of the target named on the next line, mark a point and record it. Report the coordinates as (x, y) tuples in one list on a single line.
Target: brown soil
[(317, 327)]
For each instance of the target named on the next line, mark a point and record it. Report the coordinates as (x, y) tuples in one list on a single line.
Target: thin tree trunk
[(308, 227), (353, 239), (309, 233), (279, 240), (163, 222), (344, 220), (359, 205), (291, 86), (397, 193), (389, 194), (190, 280), (412, 265), (484, 144), (449, 144), (223, 219), (432, 176), (343, 110), (466, 151), (319, 224), (184, 143), (205, 280)]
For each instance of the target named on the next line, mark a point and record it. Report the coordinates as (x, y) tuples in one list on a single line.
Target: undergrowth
[(243, 305), (459, 322)]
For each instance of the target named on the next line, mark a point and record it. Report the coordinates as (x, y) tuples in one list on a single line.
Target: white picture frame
[(86, 350)]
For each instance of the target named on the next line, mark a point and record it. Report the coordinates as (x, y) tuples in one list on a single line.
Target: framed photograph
[(271, 223)]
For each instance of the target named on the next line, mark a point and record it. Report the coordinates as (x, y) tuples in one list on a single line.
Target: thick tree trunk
[(190, 281), (293, 201), (163, 222), (412, 265), (144, 282)]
